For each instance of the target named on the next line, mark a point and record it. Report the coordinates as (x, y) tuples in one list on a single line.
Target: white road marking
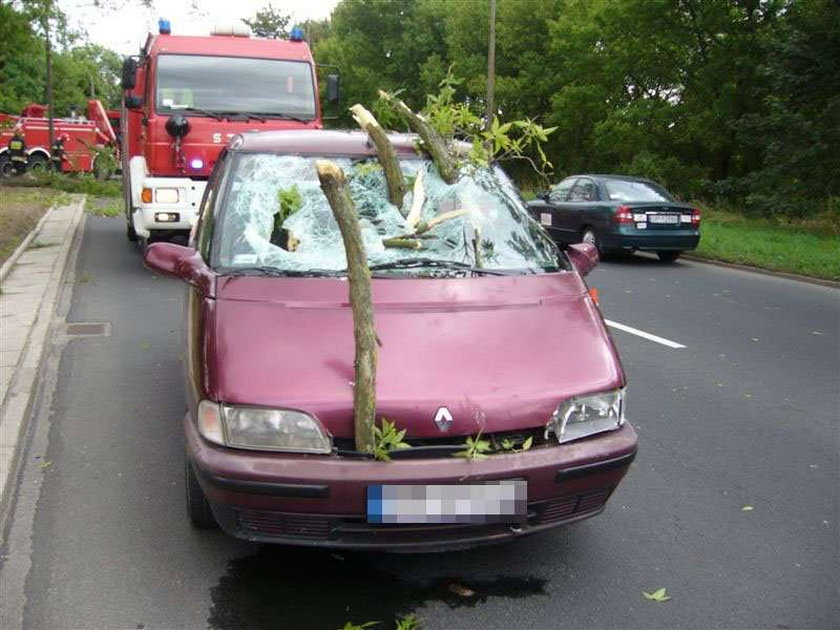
[(643, 334)]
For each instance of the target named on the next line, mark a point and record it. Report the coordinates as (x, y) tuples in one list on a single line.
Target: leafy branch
[(386, 439)]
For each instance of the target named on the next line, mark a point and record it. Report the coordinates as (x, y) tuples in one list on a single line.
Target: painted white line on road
[(643, 334)]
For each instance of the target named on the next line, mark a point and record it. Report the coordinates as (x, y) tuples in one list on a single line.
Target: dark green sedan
[(617, 213)]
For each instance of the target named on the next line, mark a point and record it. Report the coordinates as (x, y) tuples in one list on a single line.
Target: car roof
[(319, 142), (626, 178)]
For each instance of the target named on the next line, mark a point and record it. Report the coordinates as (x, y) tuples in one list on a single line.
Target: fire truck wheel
[(6, 168), (37, 163), (130, 234)]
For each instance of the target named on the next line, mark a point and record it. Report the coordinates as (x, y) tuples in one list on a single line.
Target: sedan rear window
[(626, 190)]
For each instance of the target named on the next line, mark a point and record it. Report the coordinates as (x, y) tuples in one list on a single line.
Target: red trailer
[(85, 136)]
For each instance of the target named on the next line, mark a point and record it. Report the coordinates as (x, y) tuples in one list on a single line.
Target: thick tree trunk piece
[(433, 142), (385, 152), (334, 185)]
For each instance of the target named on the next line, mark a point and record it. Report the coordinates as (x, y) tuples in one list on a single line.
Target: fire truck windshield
[(199, 85)]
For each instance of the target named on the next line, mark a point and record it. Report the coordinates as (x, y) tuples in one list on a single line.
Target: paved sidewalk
[(27, 309)]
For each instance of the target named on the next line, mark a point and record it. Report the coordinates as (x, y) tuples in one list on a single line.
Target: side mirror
[(584, 257), (129, 73), (170, 259), (133, 102), (333, 88)]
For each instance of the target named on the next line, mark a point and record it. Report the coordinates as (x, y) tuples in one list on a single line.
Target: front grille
[(537, 436), (350, 529)]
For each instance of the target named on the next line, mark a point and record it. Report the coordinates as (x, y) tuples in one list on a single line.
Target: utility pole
[(46, 16), (491, 67)]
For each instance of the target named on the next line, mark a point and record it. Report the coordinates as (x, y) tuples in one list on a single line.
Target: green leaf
[(747, 508), (657, 595), (526, 445)]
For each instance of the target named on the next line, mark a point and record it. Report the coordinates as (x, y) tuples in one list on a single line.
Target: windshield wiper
[(280, 273), (205, 112), (247, 115), (282, 116), (413, 263)]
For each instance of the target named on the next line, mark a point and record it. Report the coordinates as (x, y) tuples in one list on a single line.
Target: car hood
[(499, 352)]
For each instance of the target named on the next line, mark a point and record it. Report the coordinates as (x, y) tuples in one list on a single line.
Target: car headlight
[(166, 195), (582, 416), (260, 428)]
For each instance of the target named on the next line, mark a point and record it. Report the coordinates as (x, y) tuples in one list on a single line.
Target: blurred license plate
[(673, 219), (491, 502)]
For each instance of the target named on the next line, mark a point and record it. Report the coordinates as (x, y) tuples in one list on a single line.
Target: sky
[(124, 30)]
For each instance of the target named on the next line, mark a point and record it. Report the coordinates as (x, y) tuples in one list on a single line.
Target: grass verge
[(20, 211), (809, 249), (72, 183), (104, 206)]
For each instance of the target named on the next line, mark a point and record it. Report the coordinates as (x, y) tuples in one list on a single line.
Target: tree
[(270, 23), (21, 61)]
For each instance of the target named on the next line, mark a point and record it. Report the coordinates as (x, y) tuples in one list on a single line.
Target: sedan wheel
[(668, 255), (589, 236)]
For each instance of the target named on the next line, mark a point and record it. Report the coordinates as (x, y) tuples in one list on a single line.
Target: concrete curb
[(766, 272), (19, 397), (11, 260)]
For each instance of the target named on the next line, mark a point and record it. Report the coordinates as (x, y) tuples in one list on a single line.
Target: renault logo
[(443, 419)]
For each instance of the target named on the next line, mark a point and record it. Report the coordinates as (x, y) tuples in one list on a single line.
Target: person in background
[(58, 153), (17, 151)]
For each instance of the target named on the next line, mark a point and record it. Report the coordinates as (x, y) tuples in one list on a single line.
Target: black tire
[(198, 508), (130, 234), (7, 169), (589, 235), (37, 163), (668, 256)]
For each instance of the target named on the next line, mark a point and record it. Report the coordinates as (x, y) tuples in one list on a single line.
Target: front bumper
[(190, 191), (321, 500)]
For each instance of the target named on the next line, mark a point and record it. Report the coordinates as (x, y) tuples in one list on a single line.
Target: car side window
[(560, 192), (584, 190), (204, 229)]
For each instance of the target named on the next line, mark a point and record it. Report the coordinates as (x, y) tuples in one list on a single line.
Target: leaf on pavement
[(747, 508), (461, 591), (656, 596)]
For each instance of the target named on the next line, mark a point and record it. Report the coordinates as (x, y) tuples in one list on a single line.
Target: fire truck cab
[(186, 96)]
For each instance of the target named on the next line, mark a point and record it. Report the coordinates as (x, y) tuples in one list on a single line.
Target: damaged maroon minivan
[(494, 358)]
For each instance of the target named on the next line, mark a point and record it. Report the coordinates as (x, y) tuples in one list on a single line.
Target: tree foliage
[(270, 23), (716, 98), (79, 68)]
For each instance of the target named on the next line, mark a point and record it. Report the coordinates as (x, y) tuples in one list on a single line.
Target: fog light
[(167, 217)]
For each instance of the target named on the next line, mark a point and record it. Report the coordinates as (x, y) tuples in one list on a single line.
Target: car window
[(204, 227), (560, 192), (273, 213), (628, 190), (584, 190)]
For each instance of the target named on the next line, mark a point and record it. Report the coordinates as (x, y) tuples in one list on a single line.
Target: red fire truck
[(84, 137), (186, 96)]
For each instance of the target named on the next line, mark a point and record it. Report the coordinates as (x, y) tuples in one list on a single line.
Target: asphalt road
[(745, 415)]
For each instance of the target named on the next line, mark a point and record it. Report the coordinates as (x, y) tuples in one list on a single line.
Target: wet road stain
[(299, 589)]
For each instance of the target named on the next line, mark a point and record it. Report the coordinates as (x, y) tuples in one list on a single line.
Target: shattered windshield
[(276, 217)]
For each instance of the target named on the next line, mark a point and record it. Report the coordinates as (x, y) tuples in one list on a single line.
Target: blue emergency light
[(297, 34), (164, 28)]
